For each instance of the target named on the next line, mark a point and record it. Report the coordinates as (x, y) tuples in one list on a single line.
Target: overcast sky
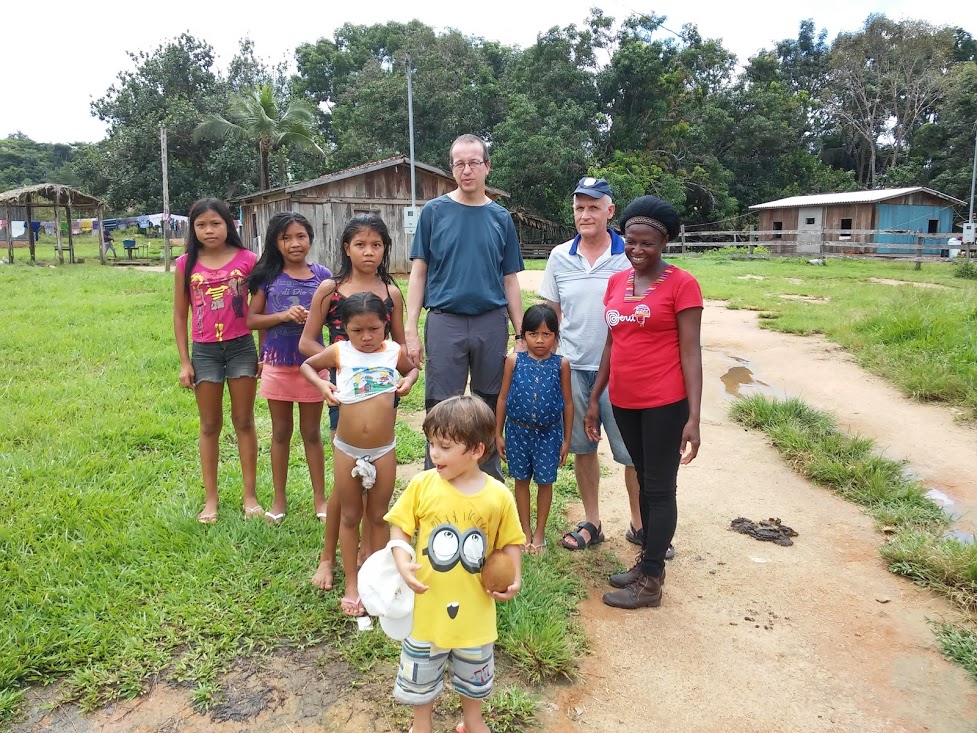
[(69, 54)]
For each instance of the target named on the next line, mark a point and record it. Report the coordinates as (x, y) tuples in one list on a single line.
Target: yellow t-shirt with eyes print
[(455, 533)]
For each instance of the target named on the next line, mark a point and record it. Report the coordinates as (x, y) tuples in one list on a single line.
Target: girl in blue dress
[(534, 418)]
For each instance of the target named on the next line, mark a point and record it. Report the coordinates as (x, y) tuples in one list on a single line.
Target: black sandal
[(596, 537)]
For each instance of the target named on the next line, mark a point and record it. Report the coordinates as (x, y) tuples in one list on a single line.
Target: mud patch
[(805, 298), (751, 277), (795, 281), (291, 690), (898, 283)]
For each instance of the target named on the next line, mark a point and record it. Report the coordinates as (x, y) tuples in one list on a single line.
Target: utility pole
[(166, 200), (411, 214)]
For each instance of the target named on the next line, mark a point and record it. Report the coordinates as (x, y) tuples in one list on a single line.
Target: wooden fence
[(828, 243)]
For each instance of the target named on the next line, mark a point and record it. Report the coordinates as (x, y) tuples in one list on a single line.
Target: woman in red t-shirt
[(652, 366)]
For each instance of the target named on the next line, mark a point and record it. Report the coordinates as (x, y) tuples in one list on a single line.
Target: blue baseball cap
[(593, 187)]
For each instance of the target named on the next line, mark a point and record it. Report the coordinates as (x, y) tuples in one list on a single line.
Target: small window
[(846, 223), (809, 220), (778, 226), (934, 226)]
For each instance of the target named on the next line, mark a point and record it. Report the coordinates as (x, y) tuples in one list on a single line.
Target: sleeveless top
[(536, 394), (337, 332), (281, 345), (360, 376)]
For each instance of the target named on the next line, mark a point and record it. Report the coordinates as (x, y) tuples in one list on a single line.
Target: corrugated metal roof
[(356, 171), (850, 197)]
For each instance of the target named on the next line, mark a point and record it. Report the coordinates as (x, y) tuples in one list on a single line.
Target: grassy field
[(86, 248), (109, 581), (107, 578)]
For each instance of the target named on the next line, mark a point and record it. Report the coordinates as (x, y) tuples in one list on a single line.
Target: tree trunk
[(265, 177)]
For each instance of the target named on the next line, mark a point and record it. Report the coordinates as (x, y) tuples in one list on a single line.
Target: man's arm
[(513, 297), (415, 300)]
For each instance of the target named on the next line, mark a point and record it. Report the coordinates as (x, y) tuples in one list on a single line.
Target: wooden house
[(904, 212), (329, 202)]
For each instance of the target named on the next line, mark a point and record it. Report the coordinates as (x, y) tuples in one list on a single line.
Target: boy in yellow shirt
[(460, 516)]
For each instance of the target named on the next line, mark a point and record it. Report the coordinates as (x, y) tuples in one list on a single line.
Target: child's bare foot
[(538, 545), (323, 576)]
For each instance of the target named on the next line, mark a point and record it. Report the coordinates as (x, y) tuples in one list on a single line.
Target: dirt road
[(757, 637), (751, 636)]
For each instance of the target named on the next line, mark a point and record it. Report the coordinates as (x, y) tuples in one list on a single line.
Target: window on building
[(809, 220), (846, 224), (778, 226), (934, 226)]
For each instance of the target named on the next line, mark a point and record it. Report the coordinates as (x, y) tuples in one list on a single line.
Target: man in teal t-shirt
[(465, 264)]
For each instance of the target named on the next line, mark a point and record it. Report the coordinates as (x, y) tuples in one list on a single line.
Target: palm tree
[(253, 118)]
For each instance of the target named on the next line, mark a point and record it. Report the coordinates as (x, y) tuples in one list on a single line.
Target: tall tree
[(253, 118), (884, 78)]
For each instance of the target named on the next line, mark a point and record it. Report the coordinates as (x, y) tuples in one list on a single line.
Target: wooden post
[(750, 240), (10, 237), (71, 237), (30, 229), (681, 231), (166, 201), (57, 228), (919, 253)]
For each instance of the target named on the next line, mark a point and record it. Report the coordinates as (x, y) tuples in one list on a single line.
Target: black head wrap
[(656, 212)]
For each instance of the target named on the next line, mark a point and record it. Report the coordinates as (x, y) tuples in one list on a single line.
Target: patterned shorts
[(420, 678)]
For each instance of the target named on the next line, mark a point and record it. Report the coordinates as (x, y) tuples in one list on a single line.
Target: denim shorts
[(581, 386), (218, 361)]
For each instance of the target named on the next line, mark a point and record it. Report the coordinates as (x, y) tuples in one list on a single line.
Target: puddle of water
[(739, 381), (963, 518)]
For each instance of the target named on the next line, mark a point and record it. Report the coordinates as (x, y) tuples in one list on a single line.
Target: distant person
[(370, 370), (459, 517), (534, 419), (282, 285), (211, 293), (364, 266), (652, 367), (108, 244), (465, 265)]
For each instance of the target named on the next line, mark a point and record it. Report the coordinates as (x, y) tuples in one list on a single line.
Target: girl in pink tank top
[(211, 293)]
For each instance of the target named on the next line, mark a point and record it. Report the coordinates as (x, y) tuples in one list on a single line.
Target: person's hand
[(509, 592), (404, 386), (500, 447), (590, 426), (689, 447), (186, 376), (328, 391), (296, 314), (520, 346), (564, 451), (415, 352), (261, 366), (407, 572)]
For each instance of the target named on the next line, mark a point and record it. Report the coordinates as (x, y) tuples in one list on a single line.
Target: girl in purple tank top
[(282, 286)]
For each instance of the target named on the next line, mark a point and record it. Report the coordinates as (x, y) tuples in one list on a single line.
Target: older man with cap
[(574, 283)]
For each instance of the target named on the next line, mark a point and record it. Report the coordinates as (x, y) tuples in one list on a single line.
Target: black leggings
[(653, 437)]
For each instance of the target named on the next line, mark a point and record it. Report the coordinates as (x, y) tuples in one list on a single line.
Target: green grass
[(86, 248), (919, 549), (108, 581), (959, 644), (923, 340)]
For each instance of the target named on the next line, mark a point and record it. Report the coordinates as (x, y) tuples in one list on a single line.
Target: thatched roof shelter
[(19, 203)]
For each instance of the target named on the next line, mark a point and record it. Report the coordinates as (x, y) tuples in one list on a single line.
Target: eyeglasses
[(460, 165)]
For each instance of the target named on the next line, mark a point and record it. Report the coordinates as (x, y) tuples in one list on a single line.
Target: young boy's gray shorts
[(420, 678), (218, 361)]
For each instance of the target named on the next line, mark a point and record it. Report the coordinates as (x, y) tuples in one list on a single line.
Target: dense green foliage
[(891, 104)]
